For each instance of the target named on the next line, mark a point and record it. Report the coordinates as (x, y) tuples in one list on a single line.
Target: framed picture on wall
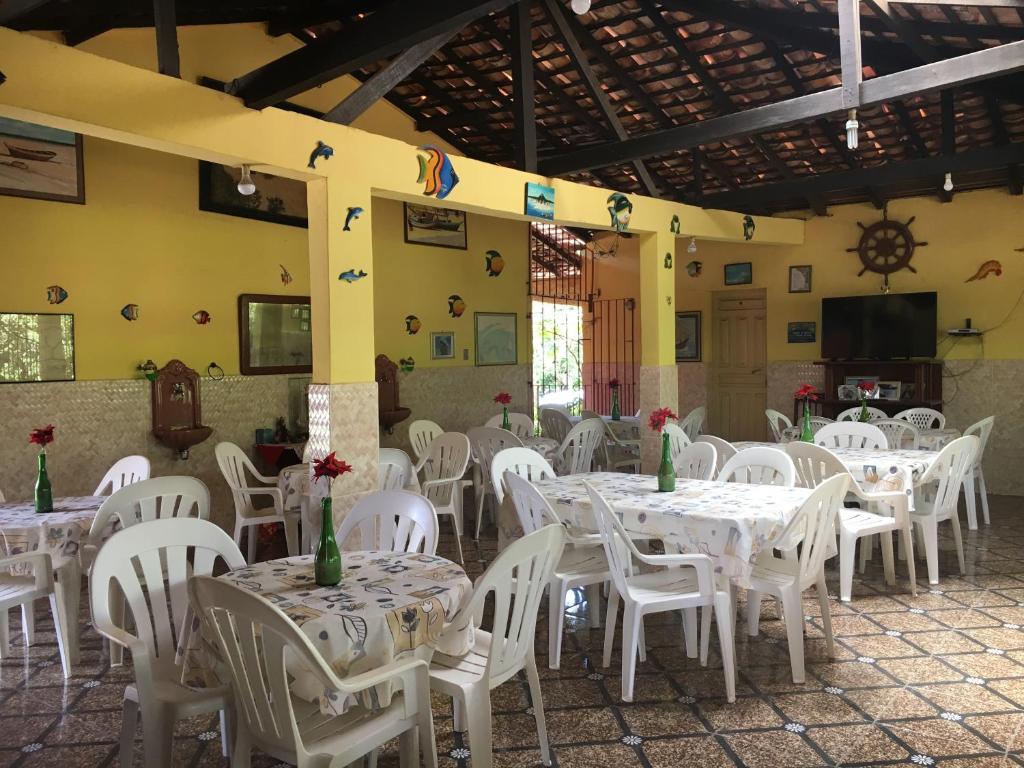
[(801, 333), (800, 279), (687, 337), (443, 227), (496, 342), (41, 162), (739, 274), (442, 345), (276, 199)]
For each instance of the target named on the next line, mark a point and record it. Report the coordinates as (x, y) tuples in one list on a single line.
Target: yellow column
[(659, 383)]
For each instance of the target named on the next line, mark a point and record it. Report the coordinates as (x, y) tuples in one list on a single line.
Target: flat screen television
[(891, 326)]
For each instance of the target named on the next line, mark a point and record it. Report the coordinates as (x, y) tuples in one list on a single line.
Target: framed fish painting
[(442, 227), (41, 162), (276, 199), (540, 201), (496, 341)]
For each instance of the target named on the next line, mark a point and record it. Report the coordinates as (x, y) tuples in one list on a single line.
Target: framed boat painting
[(443, 227), (40, 162)]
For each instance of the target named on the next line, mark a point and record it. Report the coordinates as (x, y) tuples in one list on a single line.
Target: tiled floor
[(932, 680)]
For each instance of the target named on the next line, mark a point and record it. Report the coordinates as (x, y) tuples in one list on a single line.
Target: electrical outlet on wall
[(465, 354)]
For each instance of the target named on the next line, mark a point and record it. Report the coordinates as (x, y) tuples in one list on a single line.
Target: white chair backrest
[(760, 465), (532, 509), (554, 423), (152, 563), (307, 452), (485, 442), (517, 577), (677, 439), (234, 465), (697, 461), (899, 433), (692, 423), (130, 469), (814, 463), (391, 521), (923, 418), (814, 525), (981, 430), (853, 414), (578, 447), (395, 469), (520, 461), (449, 457), (777, 422), (156, 499), (724, 450), (851, 434), (948, 470), (421, 434), (521, 423)]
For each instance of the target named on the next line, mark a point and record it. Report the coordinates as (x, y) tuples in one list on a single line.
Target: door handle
[(756, 370)]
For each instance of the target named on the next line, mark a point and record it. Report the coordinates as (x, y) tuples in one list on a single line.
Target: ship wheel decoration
[(886, 247)]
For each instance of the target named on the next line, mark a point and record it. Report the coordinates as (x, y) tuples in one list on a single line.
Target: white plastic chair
[(760, 465), (150, 564), (851, 434), (688, 582), (697, 461), (554, 423), (677, 439), (421, 434), (786, 578), (615, 454), (444, 465), (390, 475), (528, 464), (485, 442), (939, 503), (522, 425), (899, 434), (723, 448), (582, 564), (258, 643), (576, 453), (23, 591), (923, 418), (981, 430), (853, 414), (517, 577), (234, 465), (130, 469), (693, 422), (392, 521), (398, 457), (777, 422)]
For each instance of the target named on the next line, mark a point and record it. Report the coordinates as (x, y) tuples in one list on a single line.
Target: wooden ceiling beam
[(12, 10), (166, 26), (523, 86)]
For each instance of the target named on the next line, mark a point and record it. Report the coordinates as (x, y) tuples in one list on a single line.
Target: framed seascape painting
[(40, 162), (277, 199), (800, 279), (540, 201), (442, 345), (739, 274), (687, 337), (496, 342), (443, 227)]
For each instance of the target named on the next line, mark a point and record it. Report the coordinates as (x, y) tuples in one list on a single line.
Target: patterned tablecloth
[(60, 532), (936, 439), (388, 605), (545, 446), (732, 522)]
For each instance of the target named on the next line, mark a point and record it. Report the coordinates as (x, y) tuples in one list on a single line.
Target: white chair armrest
[(274, 493), (701, 563), (440, 483), (40, 560)]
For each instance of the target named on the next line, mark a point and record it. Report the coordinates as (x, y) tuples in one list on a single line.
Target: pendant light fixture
[(851, 129), (579, 7), (246, 186), (692, 247), (948, 183)]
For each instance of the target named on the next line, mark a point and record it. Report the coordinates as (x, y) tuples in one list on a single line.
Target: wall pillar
[(659, 384)]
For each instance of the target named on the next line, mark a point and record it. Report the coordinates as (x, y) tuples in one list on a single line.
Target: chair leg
[(609, 626), (481, 495), (117, 611), (129, 722), (250, 532), (907, 539), (533, 679), (725, 616), (705, 634), (847, 551), (630, 632), (61, 629), (929, 532), (984, 495), (867, 547), (158, 737), (594, 606), (291, 534), (241, 753), (226, 719), (28, 622), (753, 612), (425, 726), (458, 535), (826, 614), (794, 630), (641, 641), (690, 632), (958, 538), (5, 634), (68, 587), (556, 615), (408, 750), (479, 710), (969, 497)]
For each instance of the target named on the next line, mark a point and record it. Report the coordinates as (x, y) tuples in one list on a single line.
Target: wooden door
[(738, 391)]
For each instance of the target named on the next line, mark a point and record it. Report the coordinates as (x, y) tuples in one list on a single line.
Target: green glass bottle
[(327, 563), (806, 433), (44, 492), (616, 412), (666, 472), (505, 423), (865, 417)]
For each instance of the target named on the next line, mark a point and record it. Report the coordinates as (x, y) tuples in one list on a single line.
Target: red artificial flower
[(41, 437), (866, 386), (806, 392), (659, 417), (330, 467), (503, 397), (614, 383)]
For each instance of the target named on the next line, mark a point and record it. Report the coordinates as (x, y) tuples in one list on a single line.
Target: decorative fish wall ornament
[(748, 227), (494, 263), (56, 295), (694, 268), (456, 305), (668, 261), (351, 275), (674, 226), (412, 325), (436, 172), (3, 78), (353, 213), (992, 267), (620, 209), (202, 317), (321, 150), (286, 276), (407, 364), (130, 311)]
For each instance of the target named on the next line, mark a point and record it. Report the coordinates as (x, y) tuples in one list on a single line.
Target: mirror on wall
[(36, 347), (274, 334)]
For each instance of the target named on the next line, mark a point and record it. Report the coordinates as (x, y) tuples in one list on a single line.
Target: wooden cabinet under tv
[(924, 375)]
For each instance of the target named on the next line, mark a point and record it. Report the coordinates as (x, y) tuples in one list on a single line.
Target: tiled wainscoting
[(98, 422)]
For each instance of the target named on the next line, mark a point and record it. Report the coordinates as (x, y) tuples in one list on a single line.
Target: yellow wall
[(975, 227), (142, 239), (418, 279)]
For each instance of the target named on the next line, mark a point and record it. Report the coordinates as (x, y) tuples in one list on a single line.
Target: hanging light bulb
[(692, 247), (851, 129), (246, 186), (948, 183), (580, 7)]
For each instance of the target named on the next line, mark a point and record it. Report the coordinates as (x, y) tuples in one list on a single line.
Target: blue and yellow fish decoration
[(620, 209), (321, 150), (456, 305), (351, 275), (3, 78), (748, 227), (668, 261), (673, 227), (286, 276), (437, 172), (495, 264), (55, 294), (407, 364), (130, 311), (202, 317), (412, 325), (353, 213), (694, 268)]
